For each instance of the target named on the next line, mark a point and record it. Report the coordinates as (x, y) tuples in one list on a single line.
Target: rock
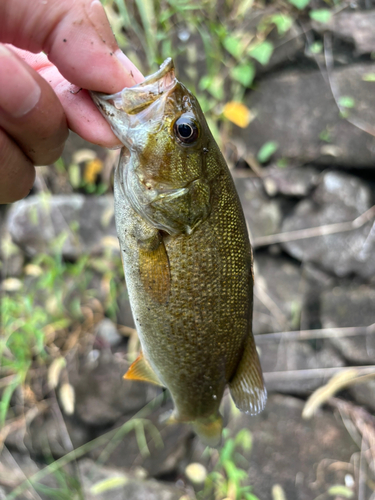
[(106, 330), (277, 293), (354, 27), (316, 281), (297, 182), (11, 257), (287, 450), (289, 356), (38, 223), (285, 46), (46, 436), (338, 198), (124, 312), (15, 468), (102, 395), (167, 445), (350, 306), (262, 214), (297, 110), (364, 394), (108, 483)]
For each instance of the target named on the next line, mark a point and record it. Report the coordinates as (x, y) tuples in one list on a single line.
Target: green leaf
[(283, 22), (321, 15), (300, 4), (244, 73), (346, 102), (369, 77), (244, 439), (316, 48), (74, 176), (108, 484), (325, 135), (266, 151), (262, 52), (340, 490), (234, 46)]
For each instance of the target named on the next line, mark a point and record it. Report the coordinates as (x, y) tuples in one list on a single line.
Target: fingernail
[(19, 91), (134, 74)]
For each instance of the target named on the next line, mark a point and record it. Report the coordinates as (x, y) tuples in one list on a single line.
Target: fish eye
[(186, 130)]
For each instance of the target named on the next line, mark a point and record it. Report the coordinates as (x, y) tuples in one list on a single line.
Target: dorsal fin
[(140, 369), (247, 387)]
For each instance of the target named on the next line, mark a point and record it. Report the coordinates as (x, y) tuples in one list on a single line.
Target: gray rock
[(46, 436), (364, 394), (338, 198), (354, 27), (166, 445), (297, 182), (286, 46), (11, 257), (106, 330), (350, 306), (124, 312), (287, 356), (277, 293), (262, 214), (108, 483), (287, 449), (36, 222), (102, 395), (296, 108)]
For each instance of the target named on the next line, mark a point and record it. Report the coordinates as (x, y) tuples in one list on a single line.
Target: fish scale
[(186, 254)]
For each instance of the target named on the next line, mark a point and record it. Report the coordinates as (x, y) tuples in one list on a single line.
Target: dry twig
[(312, 232)]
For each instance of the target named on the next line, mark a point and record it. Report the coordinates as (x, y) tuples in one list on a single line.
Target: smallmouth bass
[(186, 253)]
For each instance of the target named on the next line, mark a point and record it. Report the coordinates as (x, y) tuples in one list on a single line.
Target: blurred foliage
[(54, 306), (54, 299), (228, 475)]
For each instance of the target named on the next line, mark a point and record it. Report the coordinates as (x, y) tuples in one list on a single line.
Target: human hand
[(40, 96)]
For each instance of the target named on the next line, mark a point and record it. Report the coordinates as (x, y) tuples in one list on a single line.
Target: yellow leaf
[(196, 472), (11, 285), (33, 270), (54, 372), (321, 395), (67, 398), (238, 113), (92, 169)]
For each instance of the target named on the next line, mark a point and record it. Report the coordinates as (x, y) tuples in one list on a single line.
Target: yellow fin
[(247, 386), (209, 430), (141, 370), (154, 270)]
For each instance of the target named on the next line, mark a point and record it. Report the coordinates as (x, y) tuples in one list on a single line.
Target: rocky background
[(304, 168)]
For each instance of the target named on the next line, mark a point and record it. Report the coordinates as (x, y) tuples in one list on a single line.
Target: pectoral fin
[(247, 386), (141, 370), (154, 269)]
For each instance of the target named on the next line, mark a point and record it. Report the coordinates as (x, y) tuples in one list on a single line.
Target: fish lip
[(140, 96)]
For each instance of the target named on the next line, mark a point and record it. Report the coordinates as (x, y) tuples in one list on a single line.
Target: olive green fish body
[(186, 253)]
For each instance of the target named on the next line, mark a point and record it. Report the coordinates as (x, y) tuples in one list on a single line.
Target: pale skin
[(48, 52)]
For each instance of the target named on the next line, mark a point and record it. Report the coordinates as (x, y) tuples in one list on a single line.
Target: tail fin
[(209, 430)]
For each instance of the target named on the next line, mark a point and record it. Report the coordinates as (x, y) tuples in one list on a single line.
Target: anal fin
[(141, 370), (246, 386)]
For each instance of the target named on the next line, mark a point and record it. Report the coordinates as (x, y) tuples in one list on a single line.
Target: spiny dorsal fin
[(141, 370), (247, 386)]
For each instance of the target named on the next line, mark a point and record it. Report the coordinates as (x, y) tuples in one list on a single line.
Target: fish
[(186, 254)]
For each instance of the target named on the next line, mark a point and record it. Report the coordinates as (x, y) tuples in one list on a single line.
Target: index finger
[(77, 38)]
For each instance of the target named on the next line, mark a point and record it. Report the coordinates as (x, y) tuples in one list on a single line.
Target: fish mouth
[(134, 106)]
